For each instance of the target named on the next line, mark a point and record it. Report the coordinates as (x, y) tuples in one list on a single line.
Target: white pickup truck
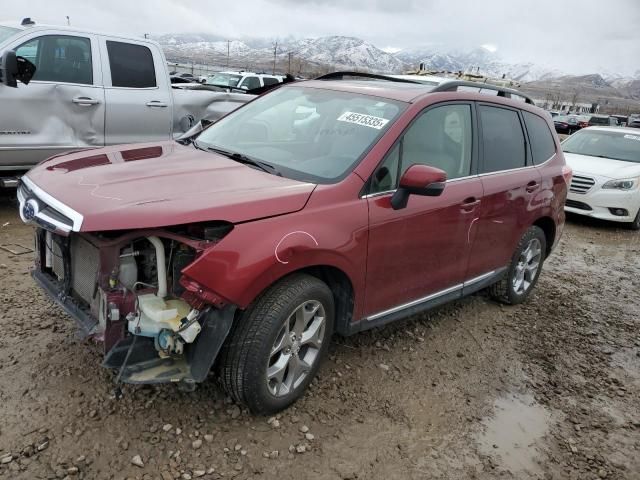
[(89, 90)]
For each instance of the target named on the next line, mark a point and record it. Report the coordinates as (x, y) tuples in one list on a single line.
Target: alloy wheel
[(296, 348), (527, 267)]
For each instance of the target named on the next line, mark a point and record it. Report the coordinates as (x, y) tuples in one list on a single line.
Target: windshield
[(6, 32), (602, 143), (306, 133), (224, 80)]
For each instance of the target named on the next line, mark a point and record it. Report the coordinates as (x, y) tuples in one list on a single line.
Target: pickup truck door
[(62, 108), (137, 92)]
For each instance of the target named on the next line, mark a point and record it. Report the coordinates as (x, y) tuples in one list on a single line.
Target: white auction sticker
[(364, 120)]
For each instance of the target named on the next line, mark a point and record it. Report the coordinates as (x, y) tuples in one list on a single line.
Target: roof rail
[(375, 76), (453, 85)]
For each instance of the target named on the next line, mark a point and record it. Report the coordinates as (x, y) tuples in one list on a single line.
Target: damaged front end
[(126, 289)]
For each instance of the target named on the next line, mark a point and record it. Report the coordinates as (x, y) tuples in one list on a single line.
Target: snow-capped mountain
[(345, 52), (334, 51), (350, 53)]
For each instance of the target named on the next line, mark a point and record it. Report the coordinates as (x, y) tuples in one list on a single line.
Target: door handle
[(156, 103), (85, 101), (469, 204), (532, 186)]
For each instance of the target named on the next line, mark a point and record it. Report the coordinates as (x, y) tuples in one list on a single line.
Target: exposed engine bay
[(127, 289)]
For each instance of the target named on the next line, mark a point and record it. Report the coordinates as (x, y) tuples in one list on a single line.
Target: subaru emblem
[(29, 210)]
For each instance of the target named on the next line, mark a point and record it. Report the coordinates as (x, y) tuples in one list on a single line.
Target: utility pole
[(68, 21), (228, 46), (275, 52), (289, 70)]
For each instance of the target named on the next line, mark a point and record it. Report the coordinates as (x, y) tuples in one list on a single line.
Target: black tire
[(635, 225), (247, 351), (505, 291)]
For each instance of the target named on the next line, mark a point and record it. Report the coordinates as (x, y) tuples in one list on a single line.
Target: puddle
[(510, 435)]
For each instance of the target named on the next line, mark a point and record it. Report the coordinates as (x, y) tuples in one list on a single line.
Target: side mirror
[(15, 68), (418, 180)]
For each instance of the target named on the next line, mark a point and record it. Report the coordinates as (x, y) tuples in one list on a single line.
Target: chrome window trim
[(452, 180), (67, 211), (432, 296), (526, 167)]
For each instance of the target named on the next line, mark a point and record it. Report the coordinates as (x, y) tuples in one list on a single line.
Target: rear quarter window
[(543, 146)]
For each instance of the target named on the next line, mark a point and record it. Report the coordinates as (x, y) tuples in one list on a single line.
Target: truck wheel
[(524, 270), (275, 348)]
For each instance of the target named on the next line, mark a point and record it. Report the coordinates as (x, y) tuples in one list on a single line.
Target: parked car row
[(569, 124)]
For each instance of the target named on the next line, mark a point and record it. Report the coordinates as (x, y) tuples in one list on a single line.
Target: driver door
[(62, 108), (419, 254)]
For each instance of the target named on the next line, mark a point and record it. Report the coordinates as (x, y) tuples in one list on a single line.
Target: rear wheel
[(275, 349), (524, 270)]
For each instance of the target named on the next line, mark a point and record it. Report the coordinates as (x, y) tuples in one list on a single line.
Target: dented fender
[(256, 254)]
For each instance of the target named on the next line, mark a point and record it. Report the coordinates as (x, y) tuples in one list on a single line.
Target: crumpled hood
[(162, 184), (605, 167)]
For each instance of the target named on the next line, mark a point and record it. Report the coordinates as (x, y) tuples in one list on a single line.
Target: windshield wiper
[(240, 158)]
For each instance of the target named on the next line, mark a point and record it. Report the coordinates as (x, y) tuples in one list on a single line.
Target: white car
[(242, 80), (606, 174)]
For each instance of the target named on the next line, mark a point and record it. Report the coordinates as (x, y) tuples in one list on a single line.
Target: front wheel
[(275, 349), (524, 269), (635, 225)]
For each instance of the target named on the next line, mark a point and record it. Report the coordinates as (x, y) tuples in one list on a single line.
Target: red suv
[(326, 206)]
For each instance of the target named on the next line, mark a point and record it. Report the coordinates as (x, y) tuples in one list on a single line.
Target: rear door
[(63, 106), (510, 183), (137, 92), (250, 82), (420, 252)]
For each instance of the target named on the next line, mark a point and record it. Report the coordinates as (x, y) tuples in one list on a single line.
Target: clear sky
[(578, 36)]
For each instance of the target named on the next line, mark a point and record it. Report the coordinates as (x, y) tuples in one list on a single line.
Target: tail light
[(583, 124), (567, 173)]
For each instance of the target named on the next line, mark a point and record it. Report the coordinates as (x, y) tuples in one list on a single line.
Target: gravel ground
[(549, 389)]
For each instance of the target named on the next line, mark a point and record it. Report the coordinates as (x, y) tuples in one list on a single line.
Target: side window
[(131, 65), (59, 58), (542, 145), (441, 137), (269, 81), (386, 176), (502, 138), (251, 83)]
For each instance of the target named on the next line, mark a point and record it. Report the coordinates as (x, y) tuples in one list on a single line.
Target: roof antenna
[(27, 22)]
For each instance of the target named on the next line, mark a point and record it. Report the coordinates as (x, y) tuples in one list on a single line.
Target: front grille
[(578, 205), (44, 215), (580, 184)]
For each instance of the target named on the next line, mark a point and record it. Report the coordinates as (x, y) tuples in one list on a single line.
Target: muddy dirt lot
[(549, 389)]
